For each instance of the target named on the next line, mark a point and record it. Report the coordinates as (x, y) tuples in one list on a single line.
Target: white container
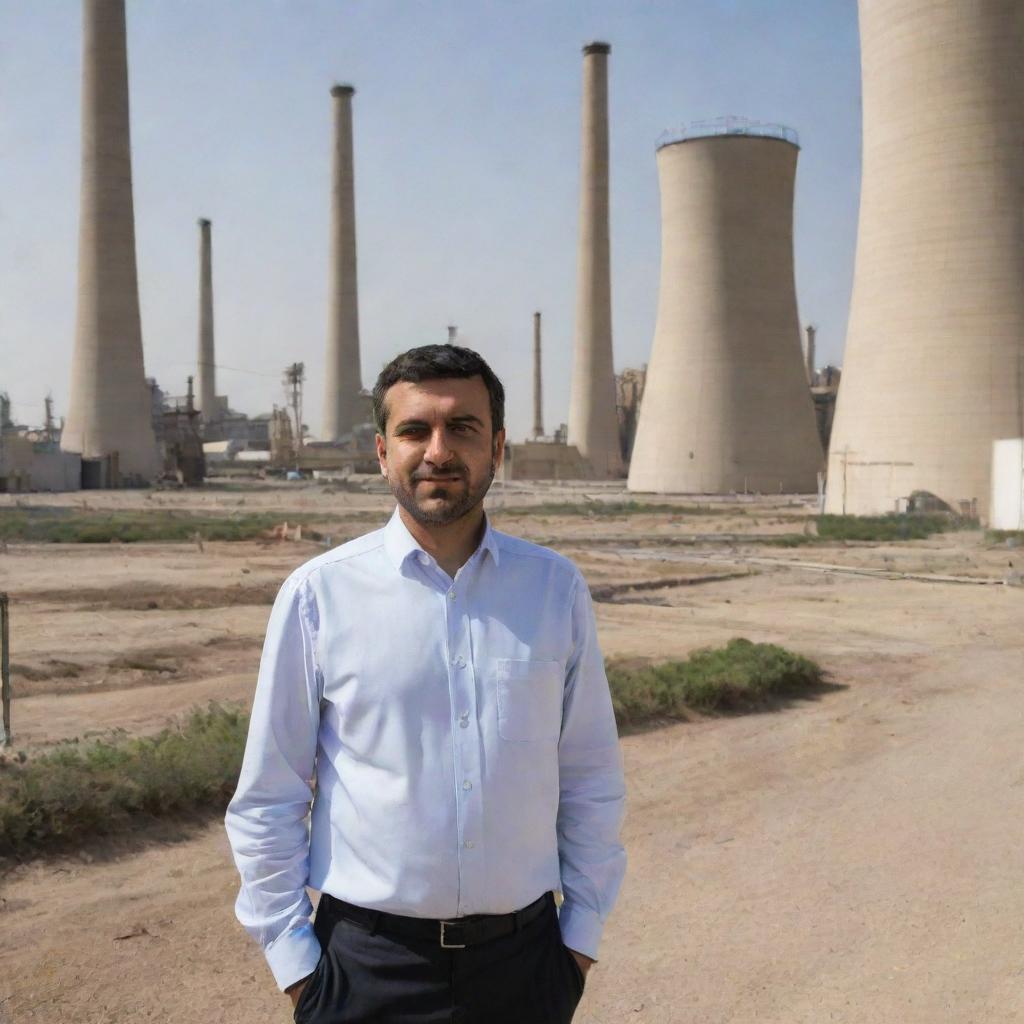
[(1007, 512)]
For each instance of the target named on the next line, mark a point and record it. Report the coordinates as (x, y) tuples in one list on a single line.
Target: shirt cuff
[(581, 928), (293, 955)]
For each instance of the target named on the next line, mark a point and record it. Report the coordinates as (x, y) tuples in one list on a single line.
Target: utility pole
[(294, 376)]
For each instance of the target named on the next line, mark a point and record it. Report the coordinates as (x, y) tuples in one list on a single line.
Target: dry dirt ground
[(854, 858)]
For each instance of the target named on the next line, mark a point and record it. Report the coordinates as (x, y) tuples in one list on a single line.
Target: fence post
[(5, 669)]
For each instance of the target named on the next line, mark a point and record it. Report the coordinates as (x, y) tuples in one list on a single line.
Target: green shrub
[(77, 792), (889, 527), (104, 788), (69, 526), (614, 509), (741, 675)]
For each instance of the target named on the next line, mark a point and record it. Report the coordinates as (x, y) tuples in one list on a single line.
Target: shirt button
[(451, 595), (467, 784), (463, 723), (468, 844), (459, 662)]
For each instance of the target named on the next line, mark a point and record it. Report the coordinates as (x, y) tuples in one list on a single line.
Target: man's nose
[(438, 452)]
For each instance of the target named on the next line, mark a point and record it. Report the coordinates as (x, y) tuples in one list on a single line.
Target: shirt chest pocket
[(529, 700)]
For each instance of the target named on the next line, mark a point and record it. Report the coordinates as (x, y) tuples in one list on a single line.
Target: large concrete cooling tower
[(206, 365), (109, 409), (935, 347), (593, 425), (342, 373), (726, 405)]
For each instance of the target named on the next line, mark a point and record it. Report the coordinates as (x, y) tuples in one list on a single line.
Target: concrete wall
[(938, 288), (726, 405), (542, 460), (27, 465)]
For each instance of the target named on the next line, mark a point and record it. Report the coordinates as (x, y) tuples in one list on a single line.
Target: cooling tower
[(207, 368), (342, 372), (726, 406), (593, 424), (109, 408), (933, 369)]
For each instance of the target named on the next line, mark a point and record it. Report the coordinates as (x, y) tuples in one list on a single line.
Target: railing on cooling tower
[(728, 126)]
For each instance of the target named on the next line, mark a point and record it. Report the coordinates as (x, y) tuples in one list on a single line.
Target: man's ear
[(382, 454), (499, 448)]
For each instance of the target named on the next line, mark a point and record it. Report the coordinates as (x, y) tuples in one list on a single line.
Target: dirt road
[(856, 858)]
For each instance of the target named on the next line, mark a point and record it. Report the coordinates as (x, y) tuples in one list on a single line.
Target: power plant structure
[(593, 425), (109, 420), (206, 366), (938, 292), (342, 370), (726, 406), (538, 391)]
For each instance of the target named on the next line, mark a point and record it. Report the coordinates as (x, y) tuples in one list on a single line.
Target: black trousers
[(366, 977)]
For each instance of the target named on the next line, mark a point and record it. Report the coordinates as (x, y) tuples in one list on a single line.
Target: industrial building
[(934, 366), (109, 419), (593, 428), (726, 406)]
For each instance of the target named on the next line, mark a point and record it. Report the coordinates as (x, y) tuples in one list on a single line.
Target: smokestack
[(538, 405), (726, 405), (940, 258), (207, 370), (452, 333), (342, 372), (593, 424), (109, 408), (812, 333)]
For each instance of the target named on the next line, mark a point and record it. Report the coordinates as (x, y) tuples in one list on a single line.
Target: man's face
[(439, 455)]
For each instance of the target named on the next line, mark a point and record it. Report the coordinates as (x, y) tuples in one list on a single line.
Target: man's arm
[(266, 820), (591, 790)]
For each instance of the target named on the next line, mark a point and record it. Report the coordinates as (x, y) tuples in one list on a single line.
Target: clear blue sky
[(467, 166)]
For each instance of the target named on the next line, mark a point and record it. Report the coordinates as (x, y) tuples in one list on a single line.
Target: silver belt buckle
[(449, 945)]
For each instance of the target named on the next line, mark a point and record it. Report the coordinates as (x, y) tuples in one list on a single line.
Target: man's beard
[(454, 508)]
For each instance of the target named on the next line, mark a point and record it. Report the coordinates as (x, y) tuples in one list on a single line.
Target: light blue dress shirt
[(460, 733)]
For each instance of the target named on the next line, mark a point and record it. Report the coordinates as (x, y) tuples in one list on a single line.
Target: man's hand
[(584, 962), (294, 992)]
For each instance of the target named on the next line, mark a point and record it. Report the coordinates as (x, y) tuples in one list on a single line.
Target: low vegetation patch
[(887, 528), (1014, 538), (79, 791), (617, 509), (739, 676), (70, 526)]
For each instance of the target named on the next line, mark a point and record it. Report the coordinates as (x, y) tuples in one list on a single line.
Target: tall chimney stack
[(109, 408), (342, 372), (207, 369), (812, 333), (593, 425), (538, 403)]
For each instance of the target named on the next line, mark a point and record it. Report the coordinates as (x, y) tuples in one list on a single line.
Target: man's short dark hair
[(436, 362)]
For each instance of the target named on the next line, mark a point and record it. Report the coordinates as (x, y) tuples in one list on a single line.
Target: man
[(443, 683)]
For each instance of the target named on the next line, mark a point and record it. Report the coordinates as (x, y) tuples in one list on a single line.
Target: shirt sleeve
[(591, 788), (267, 820)]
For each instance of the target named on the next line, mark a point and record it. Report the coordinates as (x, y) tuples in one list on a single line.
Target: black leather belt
[(457, 933)]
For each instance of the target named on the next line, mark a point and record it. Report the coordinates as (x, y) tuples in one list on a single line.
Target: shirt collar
[(400, 544)]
